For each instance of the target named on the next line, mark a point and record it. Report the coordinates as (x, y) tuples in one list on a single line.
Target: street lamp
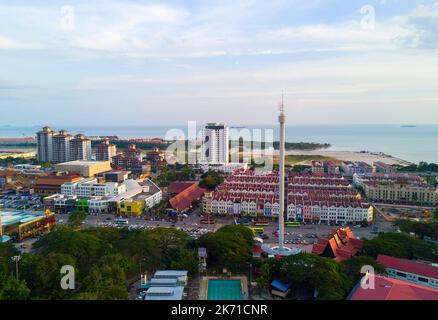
[(16, 259)]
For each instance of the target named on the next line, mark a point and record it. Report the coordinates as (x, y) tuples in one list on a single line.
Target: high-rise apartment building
[(80, 148), (215, 143), (61, 147), (105, 151), (44, 144)]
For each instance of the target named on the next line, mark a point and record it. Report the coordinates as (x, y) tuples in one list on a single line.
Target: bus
[(292, 224), (257, 230), (121, 222), (241, 221), (261, 223), (207, 221)]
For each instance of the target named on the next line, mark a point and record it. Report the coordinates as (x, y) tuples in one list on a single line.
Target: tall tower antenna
[(282, 122)]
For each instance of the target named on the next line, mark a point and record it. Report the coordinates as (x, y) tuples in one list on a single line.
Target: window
[(401, 274), (423, 279)]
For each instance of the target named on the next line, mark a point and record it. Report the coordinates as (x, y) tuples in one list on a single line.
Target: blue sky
[(155, 63)]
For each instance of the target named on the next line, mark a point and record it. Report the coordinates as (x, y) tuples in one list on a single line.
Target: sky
[(168, 62)]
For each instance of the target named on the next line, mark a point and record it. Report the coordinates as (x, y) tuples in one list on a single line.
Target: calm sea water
[(410, 143)]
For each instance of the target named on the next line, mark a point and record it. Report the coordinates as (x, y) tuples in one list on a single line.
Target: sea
[(411, 143)]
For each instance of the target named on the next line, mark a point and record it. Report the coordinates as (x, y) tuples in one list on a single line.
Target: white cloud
[(7, 43)]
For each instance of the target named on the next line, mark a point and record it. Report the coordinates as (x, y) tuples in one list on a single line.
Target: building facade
[(397, 188), (215, 143), (80, 148), (44, 144), (61, 147), (105, 151)]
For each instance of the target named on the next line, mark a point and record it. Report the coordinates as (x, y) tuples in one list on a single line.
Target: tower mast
[(282, 121)]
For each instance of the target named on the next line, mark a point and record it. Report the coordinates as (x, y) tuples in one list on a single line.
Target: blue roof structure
[(280, 286)]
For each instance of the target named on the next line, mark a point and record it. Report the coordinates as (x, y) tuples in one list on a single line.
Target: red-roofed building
[(412, 271), (340, 245), (178, 187), (183, 200), (393, 289)]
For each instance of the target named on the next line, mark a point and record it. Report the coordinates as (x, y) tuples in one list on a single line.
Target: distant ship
[(408, 126)]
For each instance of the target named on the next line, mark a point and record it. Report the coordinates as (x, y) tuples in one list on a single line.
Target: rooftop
[(410, 266), (393, 289)]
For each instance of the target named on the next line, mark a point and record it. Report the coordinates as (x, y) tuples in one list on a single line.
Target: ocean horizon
[(411, 143)]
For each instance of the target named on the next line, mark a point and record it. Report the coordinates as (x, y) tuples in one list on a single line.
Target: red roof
[(418, 268), (341, 242), (177, 186), (394, 289), (183, 200), (257, 249)]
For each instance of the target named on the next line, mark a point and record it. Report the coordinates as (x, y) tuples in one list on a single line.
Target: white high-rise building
[(215, 143), (44, 144)]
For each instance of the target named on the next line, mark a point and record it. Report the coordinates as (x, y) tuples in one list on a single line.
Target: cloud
[(7, 43)]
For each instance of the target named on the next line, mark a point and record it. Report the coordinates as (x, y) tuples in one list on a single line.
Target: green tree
[(400, 245), (11, 289), (354, 265), (76, 217), (211, 179), (230, 247), (319, 273), (43, 274)]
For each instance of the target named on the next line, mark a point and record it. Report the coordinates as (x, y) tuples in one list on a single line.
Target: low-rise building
[(412, 271), (397, 188), (90, 187), (391, 289), (84, 168), (350, 168), (317, 167), (51, 184), (324, 198), (383, 167), (227, 168), (340, 245)]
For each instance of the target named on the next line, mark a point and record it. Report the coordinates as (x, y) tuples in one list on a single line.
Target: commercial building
[(350, 168), (61, 147), (90, 187), (313, 198), (215, 143), (132, 160), (183, 200), (51, 184), (397, 188), (245, 193), (80, 148), (325, 199), (317, 167), (340, 245), (227, 168), (382, 167), (84, 168), (392, 289), (412, 271), (44, 145), (105, 150), (138, 197), (20, 225)]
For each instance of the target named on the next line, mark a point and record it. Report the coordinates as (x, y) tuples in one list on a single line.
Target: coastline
[(354, 156)]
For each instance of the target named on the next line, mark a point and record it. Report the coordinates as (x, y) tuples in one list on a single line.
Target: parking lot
[(21, 202)]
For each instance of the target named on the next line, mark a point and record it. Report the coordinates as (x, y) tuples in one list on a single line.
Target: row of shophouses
[(313, 198), (130, 198)]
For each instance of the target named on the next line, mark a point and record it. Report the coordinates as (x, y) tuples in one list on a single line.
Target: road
[(192, 222)]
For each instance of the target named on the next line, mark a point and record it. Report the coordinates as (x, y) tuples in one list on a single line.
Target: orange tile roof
[(182, 201)]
